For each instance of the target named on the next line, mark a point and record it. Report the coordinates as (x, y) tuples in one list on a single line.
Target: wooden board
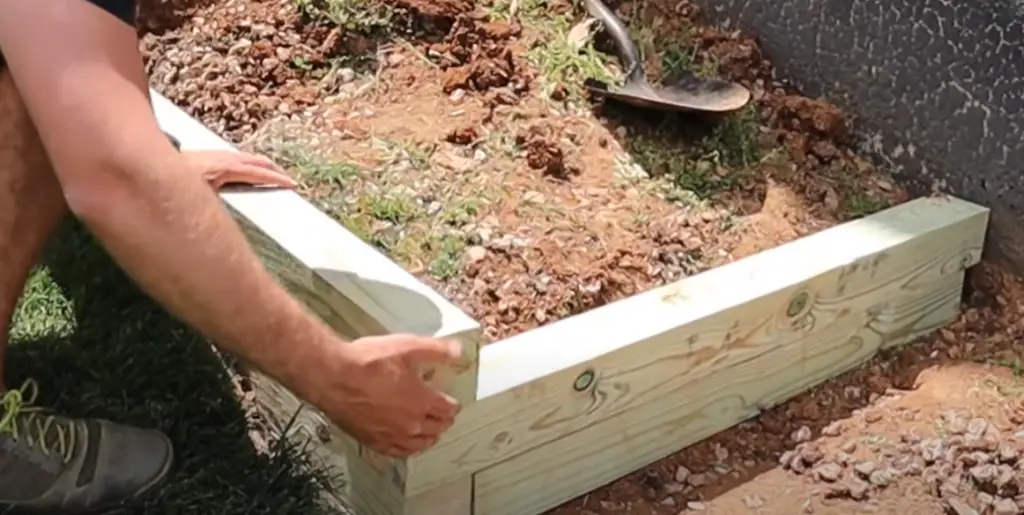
[(681, 362), (354, 289), (699, 407)]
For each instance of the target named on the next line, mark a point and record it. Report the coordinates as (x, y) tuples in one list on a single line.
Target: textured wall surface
[(937, 85)]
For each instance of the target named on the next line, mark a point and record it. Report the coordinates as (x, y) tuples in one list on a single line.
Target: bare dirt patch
[(466, 150), (453, 135)]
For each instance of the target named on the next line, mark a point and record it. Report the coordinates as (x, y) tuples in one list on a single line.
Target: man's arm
[(83, 83), (81, 77)]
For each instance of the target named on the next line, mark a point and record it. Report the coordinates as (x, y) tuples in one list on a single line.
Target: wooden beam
[(358, 292), (700, 407), (641, 378)]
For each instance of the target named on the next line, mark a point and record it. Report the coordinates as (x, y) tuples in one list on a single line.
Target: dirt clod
[(882, 478), (976, 427), (818, 117), (802, 435), (682, 474), (1008, 453), (859, 490), (1005, 507), (865, 468), (810, 455), (956, 506), (462, 135), (828, 472)]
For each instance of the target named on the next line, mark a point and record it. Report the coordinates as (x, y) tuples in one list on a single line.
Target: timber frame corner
[(555, 412)]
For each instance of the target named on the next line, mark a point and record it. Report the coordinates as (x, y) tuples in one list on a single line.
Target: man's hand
[(221, 167), (378, 395)]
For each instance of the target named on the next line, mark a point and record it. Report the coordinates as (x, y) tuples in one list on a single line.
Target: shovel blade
[(688, 94)]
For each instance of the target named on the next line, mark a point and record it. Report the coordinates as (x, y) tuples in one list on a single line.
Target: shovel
[(686, 93)]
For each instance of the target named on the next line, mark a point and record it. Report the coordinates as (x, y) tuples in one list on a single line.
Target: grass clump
[(861, 204), (563, 64), (396, 205), (696, 158), (359, 21), (700, 161), (564, 60), (366, 17)]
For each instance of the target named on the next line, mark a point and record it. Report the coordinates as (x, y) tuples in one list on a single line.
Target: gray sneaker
[(51, 464)]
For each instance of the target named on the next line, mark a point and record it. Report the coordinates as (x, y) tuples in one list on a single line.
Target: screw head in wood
[(584, 380), (797, 305)]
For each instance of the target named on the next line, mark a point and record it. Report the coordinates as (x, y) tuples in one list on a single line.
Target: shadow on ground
[(98, 347)]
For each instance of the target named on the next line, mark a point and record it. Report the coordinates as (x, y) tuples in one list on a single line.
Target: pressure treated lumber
[(358, 292), (679, 363)]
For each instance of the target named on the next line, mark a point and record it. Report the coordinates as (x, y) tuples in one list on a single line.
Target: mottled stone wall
[(937, 85)]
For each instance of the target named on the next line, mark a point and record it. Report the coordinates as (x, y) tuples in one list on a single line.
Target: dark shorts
[(124, 10)]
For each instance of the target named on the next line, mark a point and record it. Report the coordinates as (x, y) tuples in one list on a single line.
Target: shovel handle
[(629, 54)]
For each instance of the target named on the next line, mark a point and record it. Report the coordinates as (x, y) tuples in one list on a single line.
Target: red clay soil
[(934, 427), (233, 68)]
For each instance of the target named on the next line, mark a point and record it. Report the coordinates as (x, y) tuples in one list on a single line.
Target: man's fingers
[(411, 447), (408, 447), (443, 408), (424, 442), (429, 350), (256, 176), (394, 451), (436, 423)]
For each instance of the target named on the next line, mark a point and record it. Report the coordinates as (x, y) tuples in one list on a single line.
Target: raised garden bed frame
[(555, 412)]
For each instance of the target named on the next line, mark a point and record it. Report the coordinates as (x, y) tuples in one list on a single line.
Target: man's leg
[(49, 463), (31, 203)]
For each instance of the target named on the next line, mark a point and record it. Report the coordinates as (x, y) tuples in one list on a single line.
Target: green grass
[(700, 164), (362, 16), (696, 161), (677, 54), (385, 206), (99, 347), (858, 204), (371, 20), (695, 164), (561, 63)]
